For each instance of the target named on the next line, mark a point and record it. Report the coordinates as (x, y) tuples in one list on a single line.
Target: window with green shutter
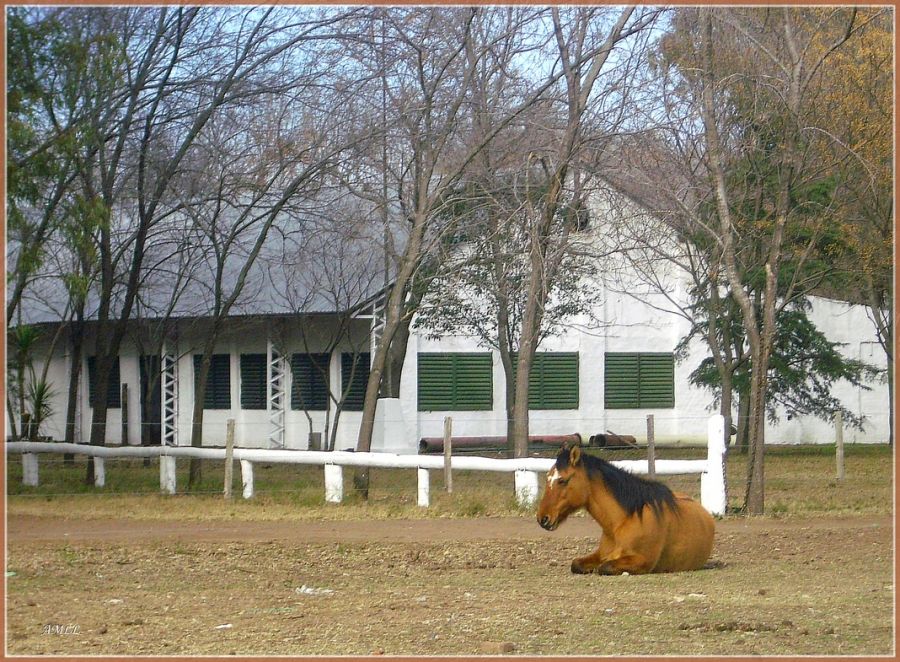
[(354, 378), (309, 383), (553, 382), (113, 386), (455, 382), (253, 381), (218, 381), (639, 380)]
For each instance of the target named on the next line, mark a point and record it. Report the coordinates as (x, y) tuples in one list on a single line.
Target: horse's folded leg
[(578, 568), (585, 565), (633, 564)]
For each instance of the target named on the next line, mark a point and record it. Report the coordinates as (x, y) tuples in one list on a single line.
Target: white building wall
[(641, 327), (634, 326)]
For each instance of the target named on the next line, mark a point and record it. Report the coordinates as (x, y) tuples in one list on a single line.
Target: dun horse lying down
[(646, 527)]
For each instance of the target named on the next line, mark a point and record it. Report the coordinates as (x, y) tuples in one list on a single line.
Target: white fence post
[(423, 497), (712, 481), (99, 471), (247, 478), (526, 488), (167, 474), (30, 469), (334, 483)]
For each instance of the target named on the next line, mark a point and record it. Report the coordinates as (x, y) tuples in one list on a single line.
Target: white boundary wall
[(526, 470)]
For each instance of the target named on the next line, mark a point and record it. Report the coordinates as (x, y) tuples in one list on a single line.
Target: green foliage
[(22, 339), (25, 94), (62, 72), (39, 394), (485, 264), (802, 370), (30, 392)]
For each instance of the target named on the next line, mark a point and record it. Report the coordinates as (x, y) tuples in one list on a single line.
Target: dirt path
[(31, 529), (791, 586)]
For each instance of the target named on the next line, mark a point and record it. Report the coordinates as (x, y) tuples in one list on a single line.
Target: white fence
[(711, 470)]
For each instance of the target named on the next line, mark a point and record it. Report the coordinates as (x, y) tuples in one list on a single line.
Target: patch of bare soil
[(438, 587)]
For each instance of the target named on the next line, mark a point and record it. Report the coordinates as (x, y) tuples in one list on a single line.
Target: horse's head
[(567, 489)]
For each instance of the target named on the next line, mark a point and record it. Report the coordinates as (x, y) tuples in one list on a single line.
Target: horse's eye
[(563, 481)]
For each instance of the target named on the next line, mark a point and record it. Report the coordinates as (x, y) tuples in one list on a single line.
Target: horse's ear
[(575, 455)]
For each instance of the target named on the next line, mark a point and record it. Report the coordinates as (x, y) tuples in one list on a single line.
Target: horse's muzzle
[(546, 523)]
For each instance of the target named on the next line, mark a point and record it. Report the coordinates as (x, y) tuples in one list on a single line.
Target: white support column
[(377, 327), (30, 469), (334, 483), (275, 372), (424, 488), (526, 488), (247, 478), (167, 474), (99, 472), (168, 380), (712, 482)]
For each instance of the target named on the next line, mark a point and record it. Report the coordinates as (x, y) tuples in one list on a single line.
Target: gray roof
[(307, 264)]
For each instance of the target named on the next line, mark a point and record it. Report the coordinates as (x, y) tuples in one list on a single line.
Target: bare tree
[(326, 276), (433, 59), (857, 112), (428, 84), (168, 71), (233, 217), (583, 53), (777, 67)]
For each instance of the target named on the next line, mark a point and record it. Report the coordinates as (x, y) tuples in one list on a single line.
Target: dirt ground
[(484, 586)]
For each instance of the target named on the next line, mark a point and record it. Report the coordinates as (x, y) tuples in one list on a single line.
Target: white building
[(265, 376)]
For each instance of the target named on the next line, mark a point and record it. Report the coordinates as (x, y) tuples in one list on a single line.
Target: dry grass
[(797, 582), (802, 587)]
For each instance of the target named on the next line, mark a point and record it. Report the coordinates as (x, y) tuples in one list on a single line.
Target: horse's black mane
[(631, 491)]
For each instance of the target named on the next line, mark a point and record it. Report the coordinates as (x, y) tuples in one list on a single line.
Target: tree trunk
[(509, 384), (726, 404), (390, 385), (195, 472), (743, 423), (74, 382), (520, 407), (393, 316), (332, 435), (20, 385), (10, 411), (528, 340), (102, 367), (754, 497)]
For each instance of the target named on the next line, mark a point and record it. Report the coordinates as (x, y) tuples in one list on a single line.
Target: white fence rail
[(711, 469)]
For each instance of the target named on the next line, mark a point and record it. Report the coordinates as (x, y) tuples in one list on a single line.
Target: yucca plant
[(21, 341), (39, 395)]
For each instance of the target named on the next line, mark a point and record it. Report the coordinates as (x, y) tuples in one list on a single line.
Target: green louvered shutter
[(553, 382), (554, 379), (356, 394), (455, 382), (635, 380), (253, 381), (657, 381), (309, 381), (218, 381)]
